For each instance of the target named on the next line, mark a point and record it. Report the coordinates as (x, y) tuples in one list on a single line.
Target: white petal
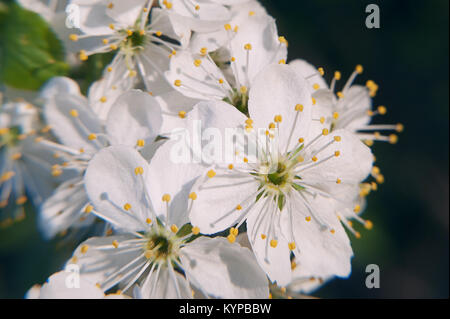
[(276, 91), (64, 209), (92, 17), (216, 207), (199, 82), (100, 262), (261, 32), (319, 252), (209, 17), (275, 262), (59, 85), (61, 286), (134, 116), (352, 166), (175, 179), (125, 12), (72, 131), (223, 270), (164, 286), (309, 72), (111, 182)]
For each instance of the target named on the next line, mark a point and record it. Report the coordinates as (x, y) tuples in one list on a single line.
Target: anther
[(211, 173), (174, 228), (193, 196), (273, 243), (166, 198)]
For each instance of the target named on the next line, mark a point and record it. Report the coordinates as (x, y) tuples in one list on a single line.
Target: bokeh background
[(408, 58)]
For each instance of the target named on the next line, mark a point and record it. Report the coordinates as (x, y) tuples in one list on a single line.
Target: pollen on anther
[(92, 137), (325, 132), (211, 173), (248, 47), (148, 221), (88, 209), (174, 228), (338, 181), (140, 143), (177, 83), (230, 166), (357, 208), (115, 243), (316, 86), (193, 196), (321, 71), (291, 245), (314, 159), (166, 198), (368, 224), (337, 153), (73, 37), (273, 243), (127, 206), (277, 118), (74, 113), (234, 231), (139, 170), (84, 249), (337, 75), (337, 138), (238, 207), (299, 108), (263, 236), (231, 238), (359, 69), (195, 230), (308, 218)]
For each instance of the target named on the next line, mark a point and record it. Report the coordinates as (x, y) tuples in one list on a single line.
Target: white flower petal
[(319, 251), (59, 286), (71, 130), (277, 90), (134, 116), (275, 262), (111, 182), (223, 270), (102, 263), (161, 285)]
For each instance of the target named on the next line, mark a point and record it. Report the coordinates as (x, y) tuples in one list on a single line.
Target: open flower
[(351, 107), (228, 73), (24, 167), (283, 193), (152, 249), (134, 120), (144, 38)]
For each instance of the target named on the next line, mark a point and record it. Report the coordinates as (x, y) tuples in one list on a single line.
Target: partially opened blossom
[(283, 194), (228, 73), (350, 108), (134, 120), (24, 166), (152, 248)]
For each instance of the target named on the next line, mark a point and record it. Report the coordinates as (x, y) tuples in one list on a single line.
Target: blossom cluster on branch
[(201, 163)]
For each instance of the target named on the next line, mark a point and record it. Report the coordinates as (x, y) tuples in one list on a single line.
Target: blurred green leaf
[(30, 53)]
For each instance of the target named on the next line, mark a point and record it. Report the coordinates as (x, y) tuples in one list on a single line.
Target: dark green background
[(408, 58)]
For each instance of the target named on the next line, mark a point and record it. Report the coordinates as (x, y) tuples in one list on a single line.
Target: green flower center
[(9, 136)]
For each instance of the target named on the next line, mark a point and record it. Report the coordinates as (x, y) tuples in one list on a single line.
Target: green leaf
[(30, 53)]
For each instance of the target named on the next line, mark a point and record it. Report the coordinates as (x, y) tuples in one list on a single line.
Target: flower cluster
[(201, 164)]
